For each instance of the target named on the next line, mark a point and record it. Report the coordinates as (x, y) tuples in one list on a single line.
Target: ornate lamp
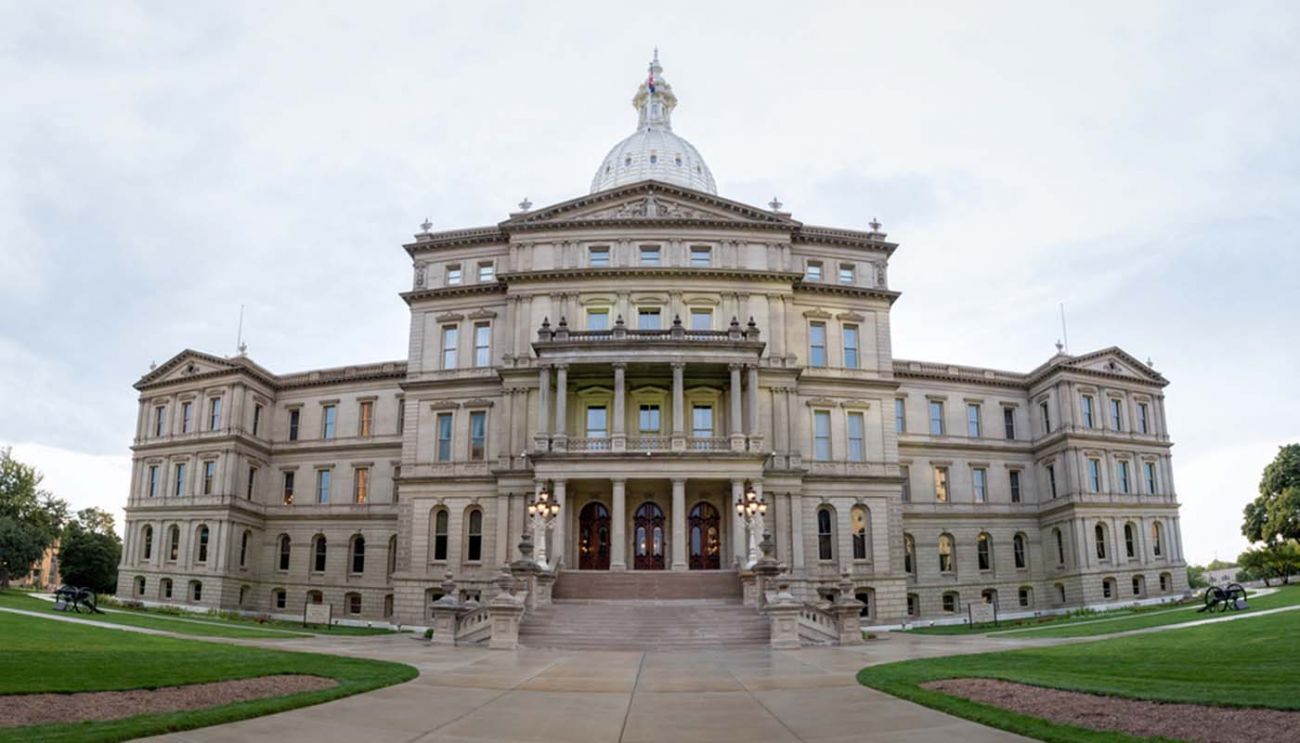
[(542, 511), (751, 507)]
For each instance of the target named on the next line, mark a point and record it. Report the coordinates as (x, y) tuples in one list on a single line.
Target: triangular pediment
[(1117, 362), (649, 201), (184, 365)]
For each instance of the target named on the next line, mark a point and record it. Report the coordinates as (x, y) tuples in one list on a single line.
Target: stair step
[(647, 584), (648, 624)]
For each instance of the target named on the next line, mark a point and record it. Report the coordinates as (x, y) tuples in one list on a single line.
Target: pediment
[(1117, 362), (186, 364), (649, 201)]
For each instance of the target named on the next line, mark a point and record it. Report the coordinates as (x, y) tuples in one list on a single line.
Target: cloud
[(83, 480)]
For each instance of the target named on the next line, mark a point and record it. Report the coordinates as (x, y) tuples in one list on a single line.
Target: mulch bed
[(37, 709), (1191, 722)]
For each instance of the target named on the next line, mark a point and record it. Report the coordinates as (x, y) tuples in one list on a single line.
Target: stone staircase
[(651, 584)]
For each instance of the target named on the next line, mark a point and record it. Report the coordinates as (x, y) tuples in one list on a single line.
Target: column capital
[(735, 367), (618, 480), (619, 365), (560, 366), (677, 364), (679, 482)]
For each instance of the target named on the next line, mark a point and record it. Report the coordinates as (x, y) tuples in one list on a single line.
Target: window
[(243, 549), (180, 479), (936, 418), (139, 585), (905, 472), (214, 414), (202, 550), (392, 556), (701, 256), (366, 418), (1116, 414), (1014, 478), (401, 414), (196, 591), (702, 421), (482, 344), (860, 520), (825, 541), (486, 272), (597, 422), (941, 484), (388, 605), (817, 344), (1130, 541), (650, 255), (1107, 588), (328, 421), (598, 319), (159, 416), (324, 481), (478, 435), (1025, 596), (257, 418), (1060, 546), (913, 605), (1144, 418), (851, 347), (288, 488), (284, 552), (281, 598), (360, 484), (984, 551), (1046, 417), (318, 554), (148, 542), (354, 603), (598, 256), (1051, 480), (900, 415), (1094, 475), (857, 428), (1157, 545), (315, 597), (822, 435), (358, 554), (846, 273), (444, 437), (1137, 585), (1166, 581), (209, 476), (973, 426), (950, 602), (980, 483), (1060, 593), (153, 480), (945, 554), (440, 535), (294, 417), (450, 336), (454, 275), (1099, 535), (474, 544), (1018, 551), (1009, 422), (647, 318), (701, 318), (166, 588), (909, 554), (187, 416), (1089, 419), (1149, 474), (648, 419), (813, 271), (1123, 476)]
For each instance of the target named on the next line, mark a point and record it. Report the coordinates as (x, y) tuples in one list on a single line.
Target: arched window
[(1139, 585), (279, 599), (439, 541), (474, 536), (243, 595), (868, 598), (388, 605), (1157, 532), (950, 602), (825, 540), (243, 548), (1108, 588), (358, 554), (284, 552), (1026, 597), (860, 519), (945, 553), (984, 551), (173, 543), (989, 595), (909, 554), (1130, 540), (146, 550), (1060, 546), (353, 602), (139, 585), (315, 597), (1018, 549), (913, 605), (1166, 582), (203, 544), (196, 591), (1100, 532), (392, 554), (318, 549), (1060, 593), (165, 588)]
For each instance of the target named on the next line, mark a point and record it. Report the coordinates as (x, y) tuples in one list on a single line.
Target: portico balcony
[(737, 344), (589, 444)]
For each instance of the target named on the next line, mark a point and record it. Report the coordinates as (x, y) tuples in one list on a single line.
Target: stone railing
[(649, 443), (495, 623), (655, 443), (796, 623), (620, 333), (708, 443), (590, 443)]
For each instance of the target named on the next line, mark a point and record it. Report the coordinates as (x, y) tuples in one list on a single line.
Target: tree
[(1274, 516), (90, 551), (30, 518), (1196, 577), (1272, 561)]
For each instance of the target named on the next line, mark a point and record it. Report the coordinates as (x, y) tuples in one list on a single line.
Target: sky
[(162, 164)]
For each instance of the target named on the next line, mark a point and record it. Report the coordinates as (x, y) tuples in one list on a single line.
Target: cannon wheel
[(1213, 597)]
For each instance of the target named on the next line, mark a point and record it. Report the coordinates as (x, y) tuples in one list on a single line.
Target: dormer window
[(653, 158), (679, 161), (628, 160)]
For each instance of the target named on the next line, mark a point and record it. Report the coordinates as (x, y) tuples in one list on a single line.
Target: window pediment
[(850, 317), (447, 317), (817, 314), (482, 313), (444, 405)]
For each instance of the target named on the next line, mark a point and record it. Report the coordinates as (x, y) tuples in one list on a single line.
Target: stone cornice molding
[(817, 287), (242, 365), (783, 277), (455, 239), (813, 234), (443, 292)]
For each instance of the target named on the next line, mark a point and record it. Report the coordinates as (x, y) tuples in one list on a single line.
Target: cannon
[(71, 598), (1223, 598)]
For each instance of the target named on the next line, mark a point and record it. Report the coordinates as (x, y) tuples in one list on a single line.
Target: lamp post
[(752, 507), (542, 510)]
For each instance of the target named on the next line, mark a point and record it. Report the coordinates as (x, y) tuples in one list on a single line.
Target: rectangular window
[(1046, 417), (1051, 480), (822, 435), (450, 335), (324, 483), (900, 415), (180, 479), (1149, 473), (1009, 422), (1116, 414), (598, 256), (153, 480), (328, 421), (360, 484), (214, 414), (941, 484), (906, 473), (846, 273), (936, 418), (478, 435), (701, 256), (487, 272), (598, 319), (850, 346), (647, 318), (401, 415), (1014, 476), (288, 489), (857, 427), (1144, 420), (444, 437), (257, 418), (252, 483), (209, 477), (702, 421), (597, 422), (1094, 475), (454, 275), (187, 416), (648, 419), (1123, 476), (650, 255), (813, 271), (980, 483), (701, 318), (817, 344), (1089, 420), (366, 418), (482, 344), (159, 418), (294, 417), (973, 421)]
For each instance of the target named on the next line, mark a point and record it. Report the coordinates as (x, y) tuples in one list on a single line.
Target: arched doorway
[(705, 539), (648, 532), (593, 537)]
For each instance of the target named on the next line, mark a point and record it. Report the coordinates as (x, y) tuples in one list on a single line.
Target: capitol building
[(645, 356)]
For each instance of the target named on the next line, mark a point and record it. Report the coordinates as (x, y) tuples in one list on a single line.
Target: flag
[(650, 81)]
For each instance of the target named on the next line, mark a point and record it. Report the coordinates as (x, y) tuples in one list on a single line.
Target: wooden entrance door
[(593, 537), (648, 533), (705, 538)]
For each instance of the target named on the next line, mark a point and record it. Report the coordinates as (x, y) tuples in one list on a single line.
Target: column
[(796, 531), (679, 524), (541, 439), (561, 440), (778, 328), (737, 523), (557, 540), (733, 410), (752, 427), (618, 530), (503, 528), (679, 407), (618, 438), (781, 428), (505, 459)]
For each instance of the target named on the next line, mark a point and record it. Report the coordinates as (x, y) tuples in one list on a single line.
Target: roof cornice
[(442, 292), (782, 277), (811, 234), (455, 239), (815, 287)]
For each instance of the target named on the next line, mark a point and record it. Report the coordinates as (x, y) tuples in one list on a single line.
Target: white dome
[(653, 151)]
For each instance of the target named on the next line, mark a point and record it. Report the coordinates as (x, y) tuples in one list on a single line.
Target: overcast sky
[(162, 163)]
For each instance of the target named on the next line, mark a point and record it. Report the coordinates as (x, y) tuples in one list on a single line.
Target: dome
[(653, 151)]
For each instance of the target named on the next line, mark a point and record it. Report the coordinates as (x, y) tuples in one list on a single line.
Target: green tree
[(90, 551), (30, 518), (1274, 516), (1196, 577)]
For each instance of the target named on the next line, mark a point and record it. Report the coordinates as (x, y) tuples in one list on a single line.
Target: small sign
[(982, 613), (317, 614)]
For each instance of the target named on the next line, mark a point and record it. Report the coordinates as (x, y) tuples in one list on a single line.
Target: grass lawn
[(1247, 663), (209, 628), (1051, 620), (39, 655)]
